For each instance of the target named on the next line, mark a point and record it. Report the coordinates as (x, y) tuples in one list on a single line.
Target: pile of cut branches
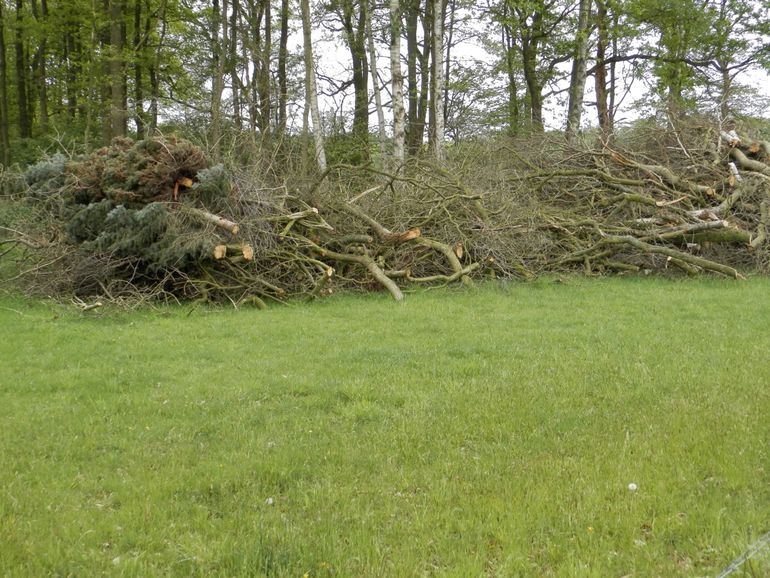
[(616, 210), (154, 218)]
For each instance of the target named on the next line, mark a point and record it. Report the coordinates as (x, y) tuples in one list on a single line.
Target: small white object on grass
[(632, 486)]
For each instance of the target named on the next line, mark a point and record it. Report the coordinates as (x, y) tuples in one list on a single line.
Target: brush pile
[(154, 217)]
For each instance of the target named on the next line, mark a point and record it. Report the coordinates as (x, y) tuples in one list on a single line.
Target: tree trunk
[(5, 147), (264, 77), (73, 54), (355, 34), (397, 82), (437, 90), (138, 70), (577, 82), (117, 66), (726, 90), (39, 63), (283, 55), (510, 70), (451, 6), (219, 19), (232, 65), (153, 70), (311, 95), (422, 101), (600, 76), (412, 51), (530, 54), (383, 136), (25, 116)]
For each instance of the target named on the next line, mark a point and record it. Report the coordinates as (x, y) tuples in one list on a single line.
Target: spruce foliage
[(118, 205)]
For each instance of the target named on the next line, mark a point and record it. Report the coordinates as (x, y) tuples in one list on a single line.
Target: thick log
[(220, 222), (714, 231), (725, 235), (764, 224), (666, 175), (242, 251), (367, 262), (322, 283), (673, 253), (445, 278), (383, 233), (450, 255), (748, 164)]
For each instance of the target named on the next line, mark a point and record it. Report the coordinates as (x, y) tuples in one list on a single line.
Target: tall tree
[(25, 110), (418, 71), (437, 88), (510, 63), (677, 25), (578, 77), (258, 36), (155, 62), (232, 64), (283, 55), (40, 14), (604, 88), (117, 68), (218, 19), (138, 48), (311, 94), (5, 147), (397, 82), (532, 47), (353, 17), (739, 42), (383, 137)]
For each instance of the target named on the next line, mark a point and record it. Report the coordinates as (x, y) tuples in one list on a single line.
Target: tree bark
[(603, 111), (530, 39), (422, 101), (219, 18), (232, 65), (412, 50), (264, 93), (25, 116), (117, 66), (417, 88), (311, 95), (437, 90), (451, 8), (39, 63), (383, 136), (355, 36), (578, 77), (5, 147), (216, 220), (138, 70), (397, 82), (510, 70), (283, 55), (153, 71)]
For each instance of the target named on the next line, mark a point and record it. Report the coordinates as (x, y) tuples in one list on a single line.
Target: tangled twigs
[(231, 237)]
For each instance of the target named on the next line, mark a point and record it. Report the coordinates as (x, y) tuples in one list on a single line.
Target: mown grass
[(481, 433)]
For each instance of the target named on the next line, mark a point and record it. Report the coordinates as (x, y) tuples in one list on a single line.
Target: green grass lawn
[(480, 433)]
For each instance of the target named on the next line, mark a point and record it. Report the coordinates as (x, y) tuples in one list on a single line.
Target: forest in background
[(76, 73)]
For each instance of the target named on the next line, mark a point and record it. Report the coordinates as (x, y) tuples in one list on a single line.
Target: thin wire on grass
[(752, 551)]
